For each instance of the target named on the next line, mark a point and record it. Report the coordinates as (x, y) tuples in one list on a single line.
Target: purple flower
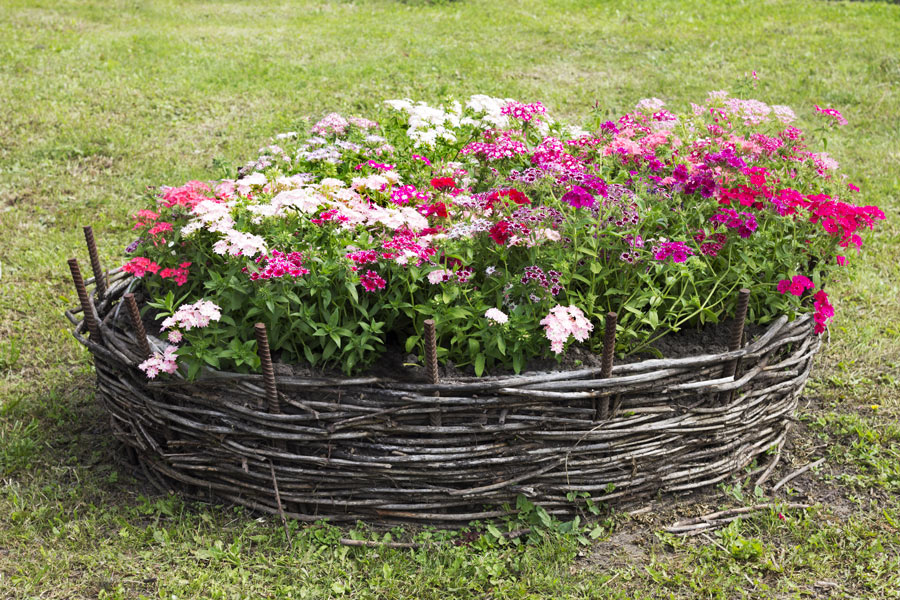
[(133, 245)]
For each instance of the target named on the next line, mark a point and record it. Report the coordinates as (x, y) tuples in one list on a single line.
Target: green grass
[(99, 100)]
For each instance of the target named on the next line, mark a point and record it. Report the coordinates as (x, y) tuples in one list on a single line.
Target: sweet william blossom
[(193, 316), (565, 321), (496, 315), (160, 363)]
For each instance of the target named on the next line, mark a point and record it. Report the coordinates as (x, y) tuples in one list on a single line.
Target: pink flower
[(372, 281), (796, 285), (157, 363), (331, 123), (439, 276), (140, 266), (565, 321), (175, 336), (677, 251), (189, 195), (524, 112), (833, 113), (160, 227), (196, 315), (179, 274), (823, 311)]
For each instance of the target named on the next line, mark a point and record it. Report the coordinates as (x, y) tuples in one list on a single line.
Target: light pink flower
[(157, 363), (439, 276), (565, 321), (189, 316)]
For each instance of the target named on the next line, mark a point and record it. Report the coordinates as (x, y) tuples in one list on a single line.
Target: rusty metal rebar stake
[(99, 275), (736, 340), (606, 359), (268, 369), (86, 306), (431, 364), (140, 333)]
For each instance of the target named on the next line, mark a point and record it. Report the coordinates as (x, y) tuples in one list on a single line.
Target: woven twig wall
[(374, 448)]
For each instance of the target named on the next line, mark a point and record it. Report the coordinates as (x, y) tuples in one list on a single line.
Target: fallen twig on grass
[(797, 473), (416, 545), (697, 525)]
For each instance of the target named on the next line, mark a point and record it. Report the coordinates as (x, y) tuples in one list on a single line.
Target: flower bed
[(518, 237)]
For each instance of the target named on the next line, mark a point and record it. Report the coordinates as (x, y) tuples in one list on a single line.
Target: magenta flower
[(279, 264), (823, 311), (796, 285), (833, 113), (677, 251), (372, 281), (578, 197)]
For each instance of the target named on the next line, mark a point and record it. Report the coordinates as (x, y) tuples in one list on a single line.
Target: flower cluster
[(565, 321), (743, 222), (677, 251), (164, 362), (495, 315), (190, 316), (486, 212), (278, 264), (796, 285)]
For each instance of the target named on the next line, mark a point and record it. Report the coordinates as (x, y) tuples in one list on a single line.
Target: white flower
[(496, 315)]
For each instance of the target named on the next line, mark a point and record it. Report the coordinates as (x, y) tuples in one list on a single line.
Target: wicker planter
[(371, 448)]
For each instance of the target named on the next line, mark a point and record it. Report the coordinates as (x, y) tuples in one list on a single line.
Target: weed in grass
[(18, 446)]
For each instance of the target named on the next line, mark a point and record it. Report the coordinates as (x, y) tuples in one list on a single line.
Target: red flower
[(501, 232), (438, 208), (516, 196), (443, 183)]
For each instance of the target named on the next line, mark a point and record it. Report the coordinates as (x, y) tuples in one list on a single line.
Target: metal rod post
[(736, 339), (138, 324), (431, 364), (606, 359), (99, 279), (268, 369), (86, 306)]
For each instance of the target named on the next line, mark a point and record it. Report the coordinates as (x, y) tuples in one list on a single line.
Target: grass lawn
[(99, 100)]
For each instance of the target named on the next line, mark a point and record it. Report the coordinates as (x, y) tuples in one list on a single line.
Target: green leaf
[(308, 353), (479, 364), (496, 533), (351, 289)]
